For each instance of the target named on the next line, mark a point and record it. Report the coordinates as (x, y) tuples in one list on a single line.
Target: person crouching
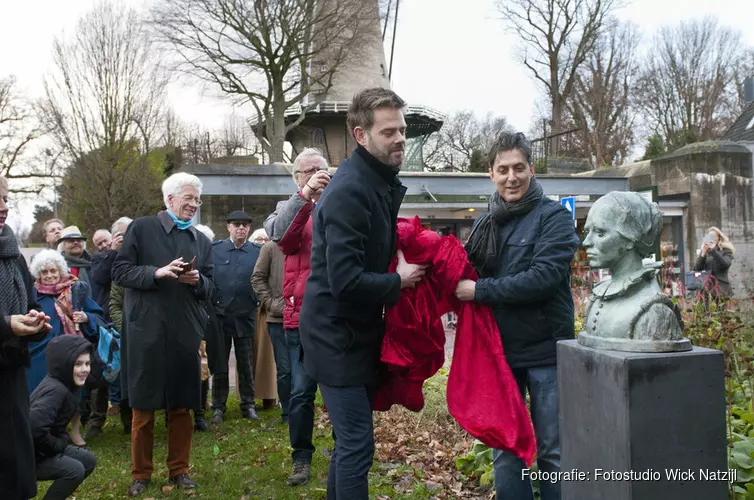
[(52, 405)]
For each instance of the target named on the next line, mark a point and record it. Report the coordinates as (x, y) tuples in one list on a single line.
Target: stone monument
[(642, 411)]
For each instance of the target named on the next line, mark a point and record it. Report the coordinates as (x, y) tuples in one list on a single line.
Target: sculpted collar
[(608, 289)]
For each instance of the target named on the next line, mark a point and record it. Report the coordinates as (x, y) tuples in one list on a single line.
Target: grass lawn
[(241, 459)]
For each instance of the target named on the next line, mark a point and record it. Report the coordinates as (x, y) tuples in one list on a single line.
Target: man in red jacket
[(290, 226)]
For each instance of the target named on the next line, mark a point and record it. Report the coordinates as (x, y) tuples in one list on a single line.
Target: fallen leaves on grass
[(418, 451)]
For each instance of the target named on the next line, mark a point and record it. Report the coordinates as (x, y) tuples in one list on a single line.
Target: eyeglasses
[(310, 171), (239, 224), (189, 198)]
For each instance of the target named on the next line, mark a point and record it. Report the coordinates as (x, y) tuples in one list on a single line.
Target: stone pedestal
[(629, 420)]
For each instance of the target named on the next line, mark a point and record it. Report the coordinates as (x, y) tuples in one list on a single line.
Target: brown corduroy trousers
[(180, 432)]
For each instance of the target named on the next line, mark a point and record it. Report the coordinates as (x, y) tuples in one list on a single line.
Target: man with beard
[(522, 250), (341, 320), (234, 259)]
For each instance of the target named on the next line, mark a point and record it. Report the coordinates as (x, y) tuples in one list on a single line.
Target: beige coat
[(265, 374), (267, 281)]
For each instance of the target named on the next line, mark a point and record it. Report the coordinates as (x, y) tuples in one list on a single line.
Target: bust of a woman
[(628, 311)]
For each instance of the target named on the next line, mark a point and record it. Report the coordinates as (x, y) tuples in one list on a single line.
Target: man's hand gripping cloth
[(482, 394)]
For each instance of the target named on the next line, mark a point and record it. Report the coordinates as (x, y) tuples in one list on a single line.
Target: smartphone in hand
[(187, 266)]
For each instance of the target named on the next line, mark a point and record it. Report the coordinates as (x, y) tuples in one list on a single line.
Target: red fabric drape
[(482, 394)]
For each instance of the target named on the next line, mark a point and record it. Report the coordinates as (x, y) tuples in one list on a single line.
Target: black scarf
[(482, 246), (12, 287)]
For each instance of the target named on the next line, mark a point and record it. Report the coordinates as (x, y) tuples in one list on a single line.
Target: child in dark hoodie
[(52, 405)]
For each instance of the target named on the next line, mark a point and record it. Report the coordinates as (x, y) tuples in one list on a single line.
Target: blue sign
[(570, 204)]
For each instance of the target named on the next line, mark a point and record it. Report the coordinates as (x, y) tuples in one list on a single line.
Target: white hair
[(206, 231), (308, 153), (176, 182), (45, 257), (102, 231), (256, 234), (123, 221)]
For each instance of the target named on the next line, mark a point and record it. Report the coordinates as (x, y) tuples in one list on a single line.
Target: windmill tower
[(324, 125)]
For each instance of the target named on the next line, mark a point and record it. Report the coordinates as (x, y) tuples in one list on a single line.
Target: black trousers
[(237, 334), (68, 470)]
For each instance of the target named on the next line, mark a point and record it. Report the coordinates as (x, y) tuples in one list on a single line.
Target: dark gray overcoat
[(165, 319)]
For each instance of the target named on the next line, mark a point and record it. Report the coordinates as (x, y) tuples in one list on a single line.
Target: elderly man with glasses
[(165, 268), (290, 226), (234, 260)]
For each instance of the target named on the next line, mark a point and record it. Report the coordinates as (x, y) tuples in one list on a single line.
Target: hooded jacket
[(55, 400)]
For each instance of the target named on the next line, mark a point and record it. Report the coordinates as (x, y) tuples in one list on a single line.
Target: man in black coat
[(165, 267), (234, 259), (108, 244), (341, 320), (20, 323)]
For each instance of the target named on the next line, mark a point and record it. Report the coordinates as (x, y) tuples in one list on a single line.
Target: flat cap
[(238, 216)]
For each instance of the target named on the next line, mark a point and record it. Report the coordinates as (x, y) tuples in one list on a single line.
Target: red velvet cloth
[(482, 394)]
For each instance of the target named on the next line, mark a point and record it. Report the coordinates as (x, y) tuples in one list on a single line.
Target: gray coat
[(165, 319)]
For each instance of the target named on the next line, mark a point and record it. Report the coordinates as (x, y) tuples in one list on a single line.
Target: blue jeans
[(301, 409), (542, 385), (350, 410), (115, 392), (282, 364)]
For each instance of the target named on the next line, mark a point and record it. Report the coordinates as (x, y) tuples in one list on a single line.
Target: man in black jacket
[(108, 244), (522, 249), (53, 404), (341, 320)]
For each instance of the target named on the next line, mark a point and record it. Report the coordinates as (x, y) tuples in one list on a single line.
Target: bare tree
[(463, 141), (236, 138), (601, 102), (201, 145), (688, 89), (271, 53), (19, 128), (556, 38), (103, 105), (744, 70)]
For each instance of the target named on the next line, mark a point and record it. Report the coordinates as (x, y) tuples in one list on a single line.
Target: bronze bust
[(628, 311)]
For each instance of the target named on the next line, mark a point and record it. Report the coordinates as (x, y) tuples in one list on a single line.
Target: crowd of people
[(318, 286)]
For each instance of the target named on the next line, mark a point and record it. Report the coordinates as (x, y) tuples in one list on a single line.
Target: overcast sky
[(450, 54)]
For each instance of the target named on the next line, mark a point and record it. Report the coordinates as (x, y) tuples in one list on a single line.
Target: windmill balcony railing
[(338, 107)]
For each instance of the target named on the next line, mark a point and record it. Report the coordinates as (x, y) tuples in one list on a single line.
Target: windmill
[(324, 124)]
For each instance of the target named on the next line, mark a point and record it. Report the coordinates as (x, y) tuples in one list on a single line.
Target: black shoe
[(284, 420), (127, 430), (217, 417), (300, 474), (249, 413), (200, 425), (93, 432), (183, 481), (137, 487)]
